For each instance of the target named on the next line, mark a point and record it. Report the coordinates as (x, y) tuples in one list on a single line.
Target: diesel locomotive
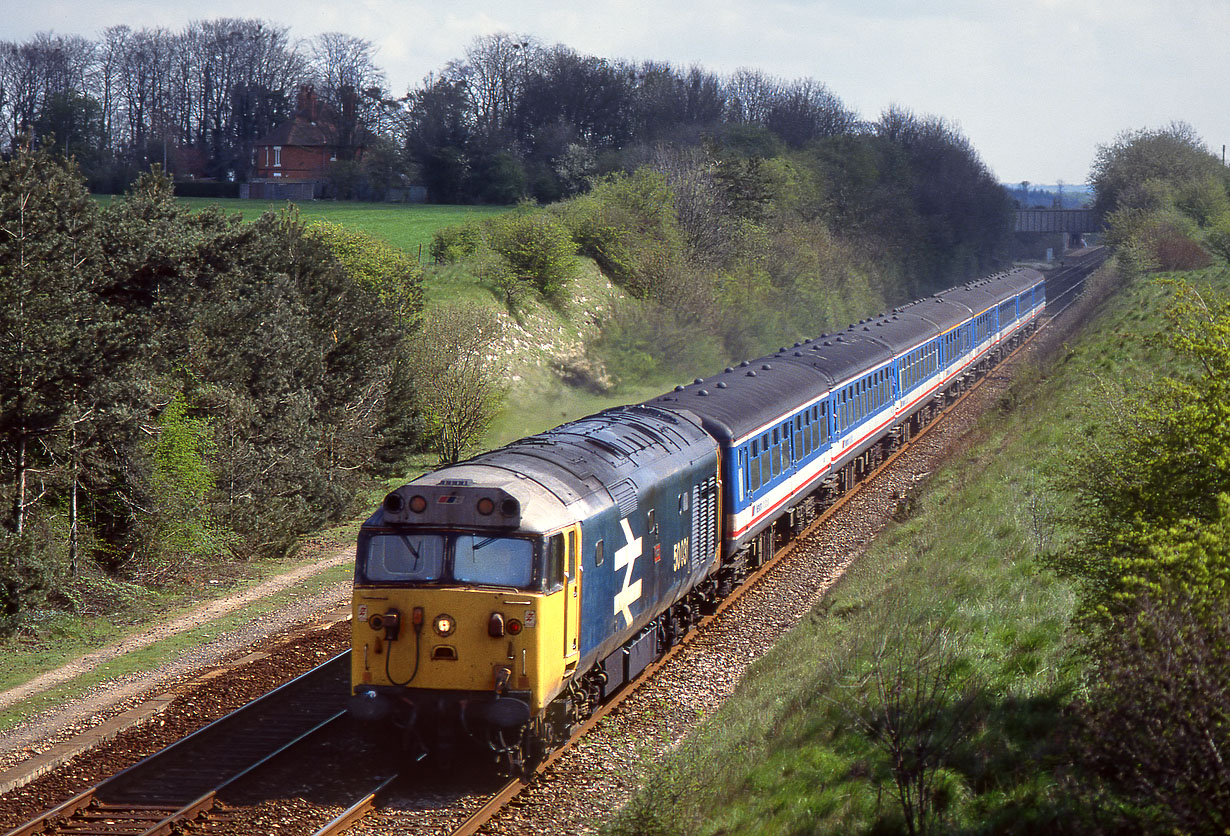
[(500, 600)]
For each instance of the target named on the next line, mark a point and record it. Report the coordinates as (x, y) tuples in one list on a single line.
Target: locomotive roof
[(610, 456), (744, 398)]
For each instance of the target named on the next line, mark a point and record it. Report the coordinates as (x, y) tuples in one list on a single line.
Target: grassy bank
[(945, 650)]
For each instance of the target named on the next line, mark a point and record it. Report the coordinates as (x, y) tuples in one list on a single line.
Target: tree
[(1146, 168), (439, 134), (495, 70), (49, 266), (457, 376)]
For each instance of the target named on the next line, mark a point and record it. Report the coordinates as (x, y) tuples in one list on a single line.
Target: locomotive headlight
[(444, 625)]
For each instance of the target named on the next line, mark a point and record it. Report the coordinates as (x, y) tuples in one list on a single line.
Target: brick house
[(292, 161)]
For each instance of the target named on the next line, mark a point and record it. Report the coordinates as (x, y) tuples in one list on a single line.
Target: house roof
[(313, 124)]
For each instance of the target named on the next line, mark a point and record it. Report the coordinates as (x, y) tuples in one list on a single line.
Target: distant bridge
[(1074, 221)]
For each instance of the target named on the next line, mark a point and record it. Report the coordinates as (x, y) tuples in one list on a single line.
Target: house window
[(277, 156)]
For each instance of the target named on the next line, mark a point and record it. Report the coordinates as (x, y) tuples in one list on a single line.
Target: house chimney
[(307, 105)]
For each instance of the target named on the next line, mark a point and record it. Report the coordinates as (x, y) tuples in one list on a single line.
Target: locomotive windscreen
[(462, 558)]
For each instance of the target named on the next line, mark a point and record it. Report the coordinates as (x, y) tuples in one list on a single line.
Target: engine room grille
[(625, 494), (704, 520)]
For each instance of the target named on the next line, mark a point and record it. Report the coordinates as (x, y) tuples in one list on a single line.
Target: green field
[(405, 225)]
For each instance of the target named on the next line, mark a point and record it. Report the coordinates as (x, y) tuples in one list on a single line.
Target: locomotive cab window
[(495, 561), (418, 557), (555, 561), (404, 557)]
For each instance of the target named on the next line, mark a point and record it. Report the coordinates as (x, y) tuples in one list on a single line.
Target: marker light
[(416, 617), (418, 503), (486, 506), (513, 627), (444, 625)]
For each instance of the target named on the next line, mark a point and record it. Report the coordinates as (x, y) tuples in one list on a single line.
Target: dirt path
[(48, 725)]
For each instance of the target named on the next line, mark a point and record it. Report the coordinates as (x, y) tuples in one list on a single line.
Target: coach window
[(753, 474), (766, 457), (824, 423), (598, 553), (775, 452), (805, 432), (800, 446)]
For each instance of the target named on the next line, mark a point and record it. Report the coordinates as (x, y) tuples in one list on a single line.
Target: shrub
[(1155, 723), (453, 243), (536, 248), (28, 573), (1156, 240), (375, 265), (1217, 238), (627, 225), (1152, 492), (645, 341)]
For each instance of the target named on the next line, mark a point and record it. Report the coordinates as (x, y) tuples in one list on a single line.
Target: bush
[(1150, 240), (375, 265), (536, 248), (1217, 238), (1155, 723), (645, 341), (1152, 492), (28, 573), (627, 225), (453, 243)]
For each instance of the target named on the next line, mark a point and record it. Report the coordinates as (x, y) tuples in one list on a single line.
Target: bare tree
[(348, 80), (495, 69), (751, 95), (457, 376), (913, 704)]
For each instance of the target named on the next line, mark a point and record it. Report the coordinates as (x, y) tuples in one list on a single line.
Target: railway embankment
[(934, 683)]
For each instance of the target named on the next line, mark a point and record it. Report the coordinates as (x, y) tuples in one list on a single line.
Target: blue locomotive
[(501, 599)]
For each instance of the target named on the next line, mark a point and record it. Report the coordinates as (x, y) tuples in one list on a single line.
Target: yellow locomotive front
[(465, 615)]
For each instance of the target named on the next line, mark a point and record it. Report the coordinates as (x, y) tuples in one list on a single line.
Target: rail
[(181, 782)]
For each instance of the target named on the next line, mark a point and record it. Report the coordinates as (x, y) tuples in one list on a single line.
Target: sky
[(1036, 85)]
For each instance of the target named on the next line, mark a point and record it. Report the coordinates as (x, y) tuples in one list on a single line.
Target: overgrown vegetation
[(959, 684), (180, 386), (727, 253)]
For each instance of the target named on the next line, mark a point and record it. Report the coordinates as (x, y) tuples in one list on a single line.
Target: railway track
[(181, 783)]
